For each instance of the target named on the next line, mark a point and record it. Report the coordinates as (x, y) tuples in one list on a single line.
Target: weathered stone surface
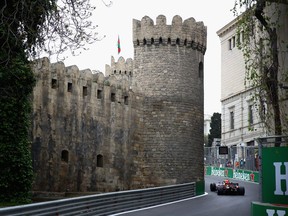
[(139, 126)]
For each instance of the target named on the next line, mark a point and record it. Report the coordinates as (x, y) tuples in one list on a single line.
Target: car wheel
[(220, 191), (241, 191), (212, 187)]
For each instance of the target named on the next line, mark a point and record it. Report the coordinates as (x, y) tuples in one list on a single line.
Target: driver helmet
[(226, 181)]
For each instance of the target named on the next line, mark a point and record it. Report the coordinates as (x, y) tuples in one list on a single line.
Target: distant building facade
[(207, 122), (241, 123), (240, 120)]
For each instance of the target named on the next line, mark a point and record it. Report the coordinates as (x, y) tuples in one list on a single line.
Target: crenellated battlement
[(121, 67), (138, 125), (71, 79), (188, 33)]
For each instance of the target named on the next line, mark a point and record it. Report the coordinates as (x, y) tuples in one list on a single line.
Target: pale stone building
[(240, 122), (207, 121)]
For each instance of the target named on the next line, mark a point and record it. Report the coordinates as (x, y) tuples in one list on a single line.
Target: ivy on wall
[(16, 85)]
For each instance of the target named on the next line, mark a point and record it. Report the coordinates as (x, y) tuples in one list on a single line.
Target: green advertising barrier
[(275, 175), (219, 171), (262, 209), (200, 187), (245, 175), (207, 170)]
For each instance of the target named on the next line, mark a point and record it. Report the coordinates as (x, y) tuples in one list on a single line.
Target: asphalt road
[(208, 205)]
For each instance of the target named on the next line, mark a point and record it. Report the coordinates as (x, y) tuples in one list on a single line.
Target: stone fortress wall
[(140, 125)]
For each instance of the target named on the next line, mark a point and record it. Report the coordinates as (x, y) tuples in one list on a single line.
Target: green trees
[(16, 83), (215, 128), (264, 45), (26, 28)]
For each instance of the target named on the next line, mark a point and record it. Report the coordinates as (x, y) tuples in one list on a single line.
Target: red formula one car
[(227, 187)]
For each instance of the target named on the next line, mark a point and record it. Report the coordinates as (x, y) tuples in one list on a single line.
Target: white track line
[(155, 206)]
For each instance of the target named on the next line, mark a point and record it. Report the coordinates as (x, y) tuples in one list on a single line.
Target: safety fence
[(105, 204), (238, 157), (271, 165), (240, 174)]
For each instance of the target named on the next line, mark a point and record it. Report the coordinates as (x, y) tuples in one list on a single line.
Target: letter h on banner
[(279, 177), (271, 212)]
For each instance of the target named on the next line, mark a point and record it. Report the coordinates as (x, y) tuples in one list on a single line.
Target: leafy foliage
[(259, 28), (52, 26), (26, 28), (16, 85), (215, 128)]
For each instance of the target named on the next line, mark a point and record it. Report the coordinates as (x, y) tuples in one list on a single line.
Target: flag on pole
[(118, 45)]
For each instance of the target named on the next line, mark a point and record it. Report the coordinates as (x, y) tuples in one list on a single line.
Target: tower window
[(152, 40), (160, 40), (69, 87), (85, 91), (99, 160), (178, 41), (126, 100), (144, 41), (113, 97), (54, 83), (169, 40), (99, 94), (65, 156), (201, 70)]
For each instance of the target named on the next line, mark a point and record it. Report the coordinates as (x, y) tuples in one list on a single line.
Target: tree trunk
[(271, 72)]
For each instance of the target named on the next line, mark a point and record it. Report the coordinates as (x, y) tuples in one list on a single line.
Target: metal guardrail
[(105, 204)]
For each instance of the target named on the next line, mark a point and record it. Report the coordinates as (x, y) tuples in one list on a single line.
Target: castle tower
[(168, 76)]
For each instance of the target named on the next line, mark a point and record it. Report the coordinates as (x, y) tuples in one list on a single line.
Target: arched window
[(169, 40), (201, 70), (144, 41), (99, 160), (65, 156), (152, 40), (160, 40), (178, 41)]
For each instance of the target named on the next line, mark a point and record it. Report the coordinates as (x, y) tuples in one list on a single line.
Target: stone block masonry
[(139, 126)]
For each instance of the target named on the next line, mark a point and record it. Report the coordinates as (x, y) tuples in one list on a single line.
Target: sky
[(116, 20)]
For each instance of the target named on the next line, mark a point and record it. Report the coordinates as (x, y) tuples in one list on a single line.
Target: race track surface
[(208, 205)]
